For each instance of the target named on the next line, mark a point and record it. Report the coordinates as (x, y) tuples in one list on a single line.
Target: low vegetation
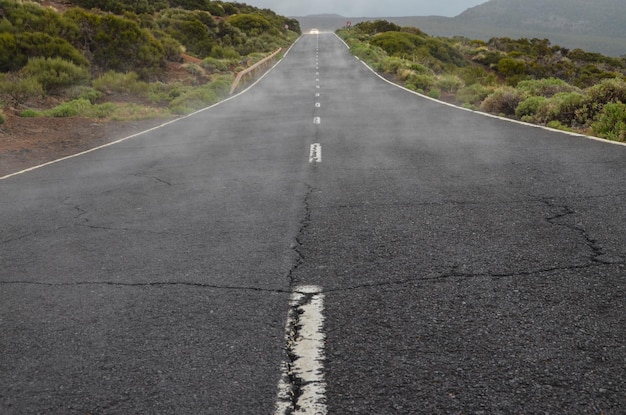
[(127, 60), (526, 79)]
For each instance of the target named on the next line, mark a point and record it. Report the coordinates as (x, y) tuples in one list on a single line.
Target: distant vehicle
[(315, 32)]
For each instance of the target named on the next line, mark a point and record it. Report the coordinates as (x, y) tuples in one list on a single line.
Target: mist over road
[(467, 264)]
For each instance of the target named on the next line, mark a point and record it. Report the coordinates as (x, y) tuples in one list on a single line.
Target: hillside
[(527, 79), (596, 26)]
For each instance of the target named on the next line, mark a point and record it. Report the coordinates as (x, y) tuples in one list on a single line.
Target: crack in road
[(296, 246), (147, 285), (452, 276), (563, 211)]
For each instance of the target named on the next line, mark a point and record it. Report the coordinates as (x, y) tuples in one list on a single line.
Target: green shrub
[(557, 125), (391, 65), (420, 82), (611, 122), (11, 57), (121, 83), (54, 74), (2, 119), (563, 107), (220, 52), (119, 44), (250, 24), (545, 87), (377, 26), (473, 95), (609, 90), (503, 100), (20, 89), (104, 110), (476, 75), (527, 110), (70, 109), (193, 99), (212, 65), (434, 93), (29, 113), (367, 53), (397, 44), (513, 69), (449, 83)]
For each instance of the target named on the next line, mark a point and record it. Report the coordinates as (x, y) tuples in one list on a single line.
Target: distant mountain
[(593, 25), (595, 18)]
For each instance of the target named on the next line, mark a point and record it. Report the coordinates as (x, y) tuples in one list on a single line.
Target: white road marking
[(317, 95), (317, 120), (315, 155), (318, 105), (302, 387)]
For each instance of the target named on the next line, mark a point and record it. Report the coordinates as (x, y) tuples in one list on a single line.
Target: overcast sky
[(367, 8)]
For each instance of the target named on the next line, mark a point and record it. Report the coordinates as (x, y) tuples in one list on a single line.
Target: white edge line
[(153, 128), (485, 114)]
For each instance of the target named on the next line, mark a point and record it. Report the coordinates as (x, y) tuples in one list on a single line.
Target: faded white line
[(317, 120), (302, 388), (315, 155)]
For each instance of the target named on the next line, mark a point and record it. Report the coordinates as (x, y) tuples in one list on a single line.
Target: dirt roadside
[(28, 142)]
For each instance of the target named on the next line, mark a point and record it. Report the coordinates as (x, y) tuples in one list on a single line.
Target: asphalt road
[(468, 264)]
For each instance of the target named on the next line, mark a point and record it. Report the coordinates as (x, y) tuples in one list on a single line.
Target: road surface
[(457, 263)]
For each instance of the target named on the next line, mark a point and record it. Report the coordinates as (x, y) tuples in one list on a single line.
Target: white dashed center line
[(315, 155)]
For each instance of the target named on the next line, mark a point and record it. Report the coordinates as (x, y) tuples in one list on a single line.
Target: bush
[(11, 58), (119, 44), (476, 75), (420, 82), (610, 90), (70, 109), (20, 89), (54, 74), (449, 83), (250, 24), (503, 100), (545, 87), (527, 110), (563, 107), (367, 53), (399, 44), (214, 65), (434, 93), (473, 95), (2, 119), (611, 123), (83, 91), (121, 83), (29, 113), (193, 99), (391, 65)]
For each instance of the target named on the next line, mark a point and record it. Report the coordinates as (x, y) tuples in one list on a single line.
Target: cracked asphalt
[(469, 265)]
